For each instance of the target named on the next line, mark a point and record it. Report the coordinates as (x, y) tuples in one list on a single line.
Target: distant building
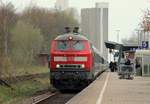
[(94, 25), (61, 4), (43, 59)]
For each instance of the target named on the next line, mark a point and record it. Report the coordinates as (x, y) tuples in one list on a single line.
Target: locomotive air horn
[(76, 30), (67, 29)]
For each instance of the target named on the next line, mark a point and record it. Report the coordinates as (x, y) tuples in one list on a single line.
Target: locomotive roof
[(74, 36)]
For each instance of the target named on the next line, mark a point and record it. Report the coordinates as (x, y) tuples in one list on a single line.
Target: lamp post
[(139, 37)]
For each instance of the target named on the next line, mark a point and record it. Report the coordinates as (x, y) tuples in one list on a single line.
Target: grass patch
[(22, 90), (31, 70), (28, 70), (5, 94), (26, 88)]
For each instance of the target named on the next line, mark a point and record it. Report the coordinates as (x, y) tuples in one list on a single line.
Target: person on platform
[(127, 61), (111, 66), (115, 66)]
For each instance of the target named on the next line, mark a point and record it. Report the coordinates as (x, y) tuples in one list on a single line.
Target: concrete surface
[(109, 89)]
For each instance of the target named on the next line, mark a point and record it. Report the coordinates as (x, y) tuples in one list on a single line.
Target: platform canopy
[(130, 47), (112, 45), (117, 46)]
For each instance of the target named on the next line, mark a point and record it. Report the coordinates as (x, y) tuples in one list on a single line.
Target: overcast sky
[(124, 15)]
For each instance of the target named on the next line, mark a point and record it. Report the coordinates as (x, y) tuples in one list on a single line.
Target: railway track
[(53, 98), (40, 98)]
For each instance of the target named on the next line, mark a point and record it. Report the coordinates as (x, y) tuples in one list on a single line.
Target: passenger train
[(75, 62)]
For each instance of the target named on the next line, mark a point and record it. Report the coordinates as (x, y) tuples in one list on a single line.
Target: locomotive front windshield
[(70, 45), (62, 45)]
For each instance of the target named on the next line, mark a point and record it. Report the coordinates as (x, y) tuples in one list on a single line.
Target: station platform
[(109, 89)]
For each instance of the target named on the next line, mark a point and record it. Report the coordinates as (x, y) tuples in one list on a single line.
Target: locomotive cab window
[(78, 45), (75, 45), (62, 45)]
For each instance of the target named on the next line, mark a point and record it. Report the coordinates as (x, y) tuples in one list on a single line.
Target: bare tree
[(7, 20), (143, 32), (50, 22), (145, 24)]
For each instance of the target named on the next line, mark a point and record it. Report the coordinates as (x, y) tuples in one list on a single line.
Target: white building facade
[(94, 25)]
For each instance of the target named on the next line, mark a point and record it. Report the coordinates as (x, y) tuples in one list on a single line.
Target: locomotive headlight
[(60, 58), (70, 37), (57, 66), (80, 59), (82, 66)]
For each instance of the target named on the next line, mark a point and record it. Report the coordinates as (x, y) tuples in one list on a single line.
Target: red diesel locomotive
[(74, 62)]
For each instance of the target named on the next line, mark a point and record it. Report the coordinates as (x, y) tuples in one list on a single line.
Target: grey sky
[(124, 15)]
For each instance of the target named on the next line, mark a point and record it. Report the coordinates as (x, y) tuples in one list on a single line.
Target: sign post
[(145, 44)]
